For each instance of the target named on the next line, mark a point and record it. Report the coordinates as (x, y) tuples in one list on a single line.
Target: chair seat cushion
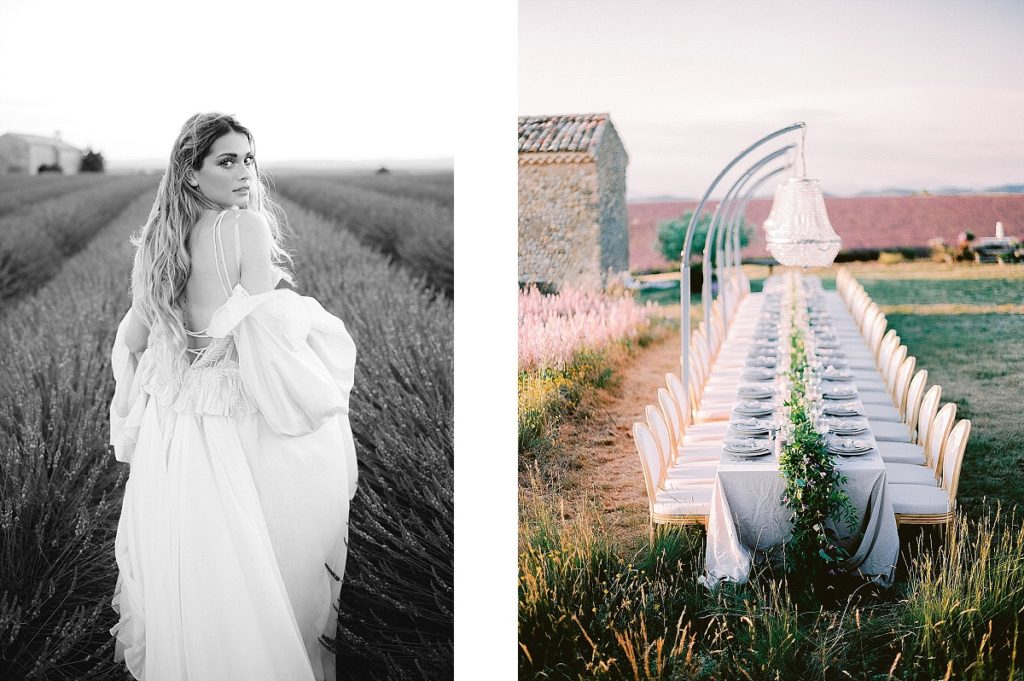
[(881, 412), (910, 474), (705, 438), (700, 451), (918, 500), (690, 501), (686, 475), (901, 452), (716, 403), (888, 431), (873, 385), (704, 430), (719, 394), (719, 414)]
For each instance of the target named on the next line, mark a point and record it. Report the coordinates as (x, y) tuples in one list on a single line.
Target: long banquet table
[(748, 521)]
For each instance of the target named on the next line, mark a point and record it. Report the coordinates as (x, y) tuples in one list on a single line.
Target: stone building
[(25, 153), (572, 201)]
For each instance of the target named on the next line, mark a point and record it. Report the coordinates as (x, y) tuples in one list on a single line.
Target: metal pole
[(713, 232), (736, 220), (684, 265)]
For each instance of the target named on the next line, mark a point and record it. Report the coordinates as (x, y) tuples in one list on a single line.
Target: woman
[(231, 405)]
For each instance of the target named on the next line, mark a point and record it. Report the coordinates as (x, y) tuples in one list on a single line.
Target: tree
[(672, 235), (91, 162)]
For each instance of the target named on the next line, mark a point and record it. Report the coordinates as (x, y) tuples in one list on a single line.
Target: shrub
[(554, 328), (890, 258), (92, 162), (565, 348), (672, 235)]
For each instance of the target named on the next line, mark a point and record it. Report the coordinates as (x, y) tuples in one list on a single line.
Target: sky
[(344, 81), (907, 94)]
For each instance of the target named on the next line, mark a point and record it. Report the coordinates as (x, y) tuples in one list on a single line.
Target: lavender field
[(60, 487)]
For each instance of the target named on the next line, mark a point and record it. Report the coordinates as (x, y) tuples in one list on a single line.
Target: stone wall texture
[(572, 216), (559, 227), (611, 166)]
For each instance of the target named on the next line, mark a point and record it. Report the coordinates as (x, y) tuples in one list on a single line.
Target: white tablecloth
[(748, 519)]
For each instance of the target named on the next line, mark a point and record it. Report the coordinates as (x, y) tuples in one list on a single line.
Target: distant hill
[(948, 191), (861, 222), (1007, 189)]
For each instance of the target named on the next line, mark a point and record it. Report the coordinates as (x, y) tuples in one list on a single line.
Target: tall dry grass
[(591, 609)]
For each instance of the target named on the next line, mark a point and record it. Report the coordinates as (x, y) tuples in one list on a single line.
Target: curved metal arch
[(684, 265), (733, 256), (714, 232)]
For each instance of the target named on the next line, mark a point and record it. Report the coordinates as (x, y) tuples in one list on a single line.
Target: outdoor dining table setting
[(749, 520)]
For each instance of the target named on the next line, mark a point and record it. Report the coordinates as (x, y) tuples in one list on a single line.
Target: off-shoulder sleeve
[(129, 403), (296, 360)]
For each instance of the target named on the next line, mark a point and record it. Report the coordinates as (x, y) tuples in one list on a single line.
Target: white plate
[(840, 445), (748, 455), (843, 409), (834, 394), (746, 452), (847, 432), (754, 391), (848, 452)]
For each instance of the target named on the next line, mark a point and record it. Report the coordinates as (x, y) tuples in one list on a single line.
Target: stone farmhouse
[(25, 153), (572, 201)]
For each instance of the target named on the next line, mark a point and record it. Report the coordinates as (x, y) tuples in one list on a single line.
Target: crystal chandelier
[(798, 230), (769, 223)]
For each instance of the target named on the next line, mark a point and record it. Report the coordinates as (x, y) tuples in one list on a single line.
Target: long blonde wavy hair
[(162, 261)]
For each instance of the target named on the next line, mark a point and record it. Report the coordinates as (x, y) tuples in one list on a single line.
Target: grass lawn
[(978, 359), (932, 292)]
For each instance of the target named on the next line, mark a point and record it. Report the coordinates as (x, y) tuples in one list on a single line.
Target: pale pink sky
[(895, 94)]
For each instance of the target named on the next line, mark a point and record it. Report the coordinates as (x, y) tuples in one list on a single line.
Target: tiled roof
[(561, 134)]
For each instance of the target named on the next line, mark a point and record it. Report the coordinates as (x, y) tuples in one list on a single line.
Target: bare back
[(206, 288)]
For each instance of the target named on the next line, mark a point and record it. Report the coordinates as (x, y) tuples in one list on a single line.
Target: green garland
[(813, 484)]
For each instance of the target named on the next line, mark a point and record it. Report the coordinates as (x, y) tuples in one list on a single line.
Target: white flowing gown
[(242, 469)]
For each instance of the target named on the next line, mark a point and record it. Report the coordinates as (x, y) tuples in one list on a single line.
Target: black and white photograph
[(227, 317)]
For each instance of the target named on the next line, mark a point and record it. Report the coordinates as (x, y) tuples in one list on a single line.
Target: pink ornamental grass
[(554, 328)]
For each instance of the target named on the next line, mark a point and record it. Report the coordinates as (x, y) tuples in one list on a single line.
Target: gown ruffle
[(242, 469)]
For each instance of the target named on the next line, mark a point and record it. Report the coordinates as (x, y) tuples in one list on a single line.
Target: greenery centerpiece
[(813, 490)]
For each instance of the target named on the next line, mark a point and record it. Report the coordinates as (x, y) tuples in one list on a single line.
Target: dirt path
[(602, 442)]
